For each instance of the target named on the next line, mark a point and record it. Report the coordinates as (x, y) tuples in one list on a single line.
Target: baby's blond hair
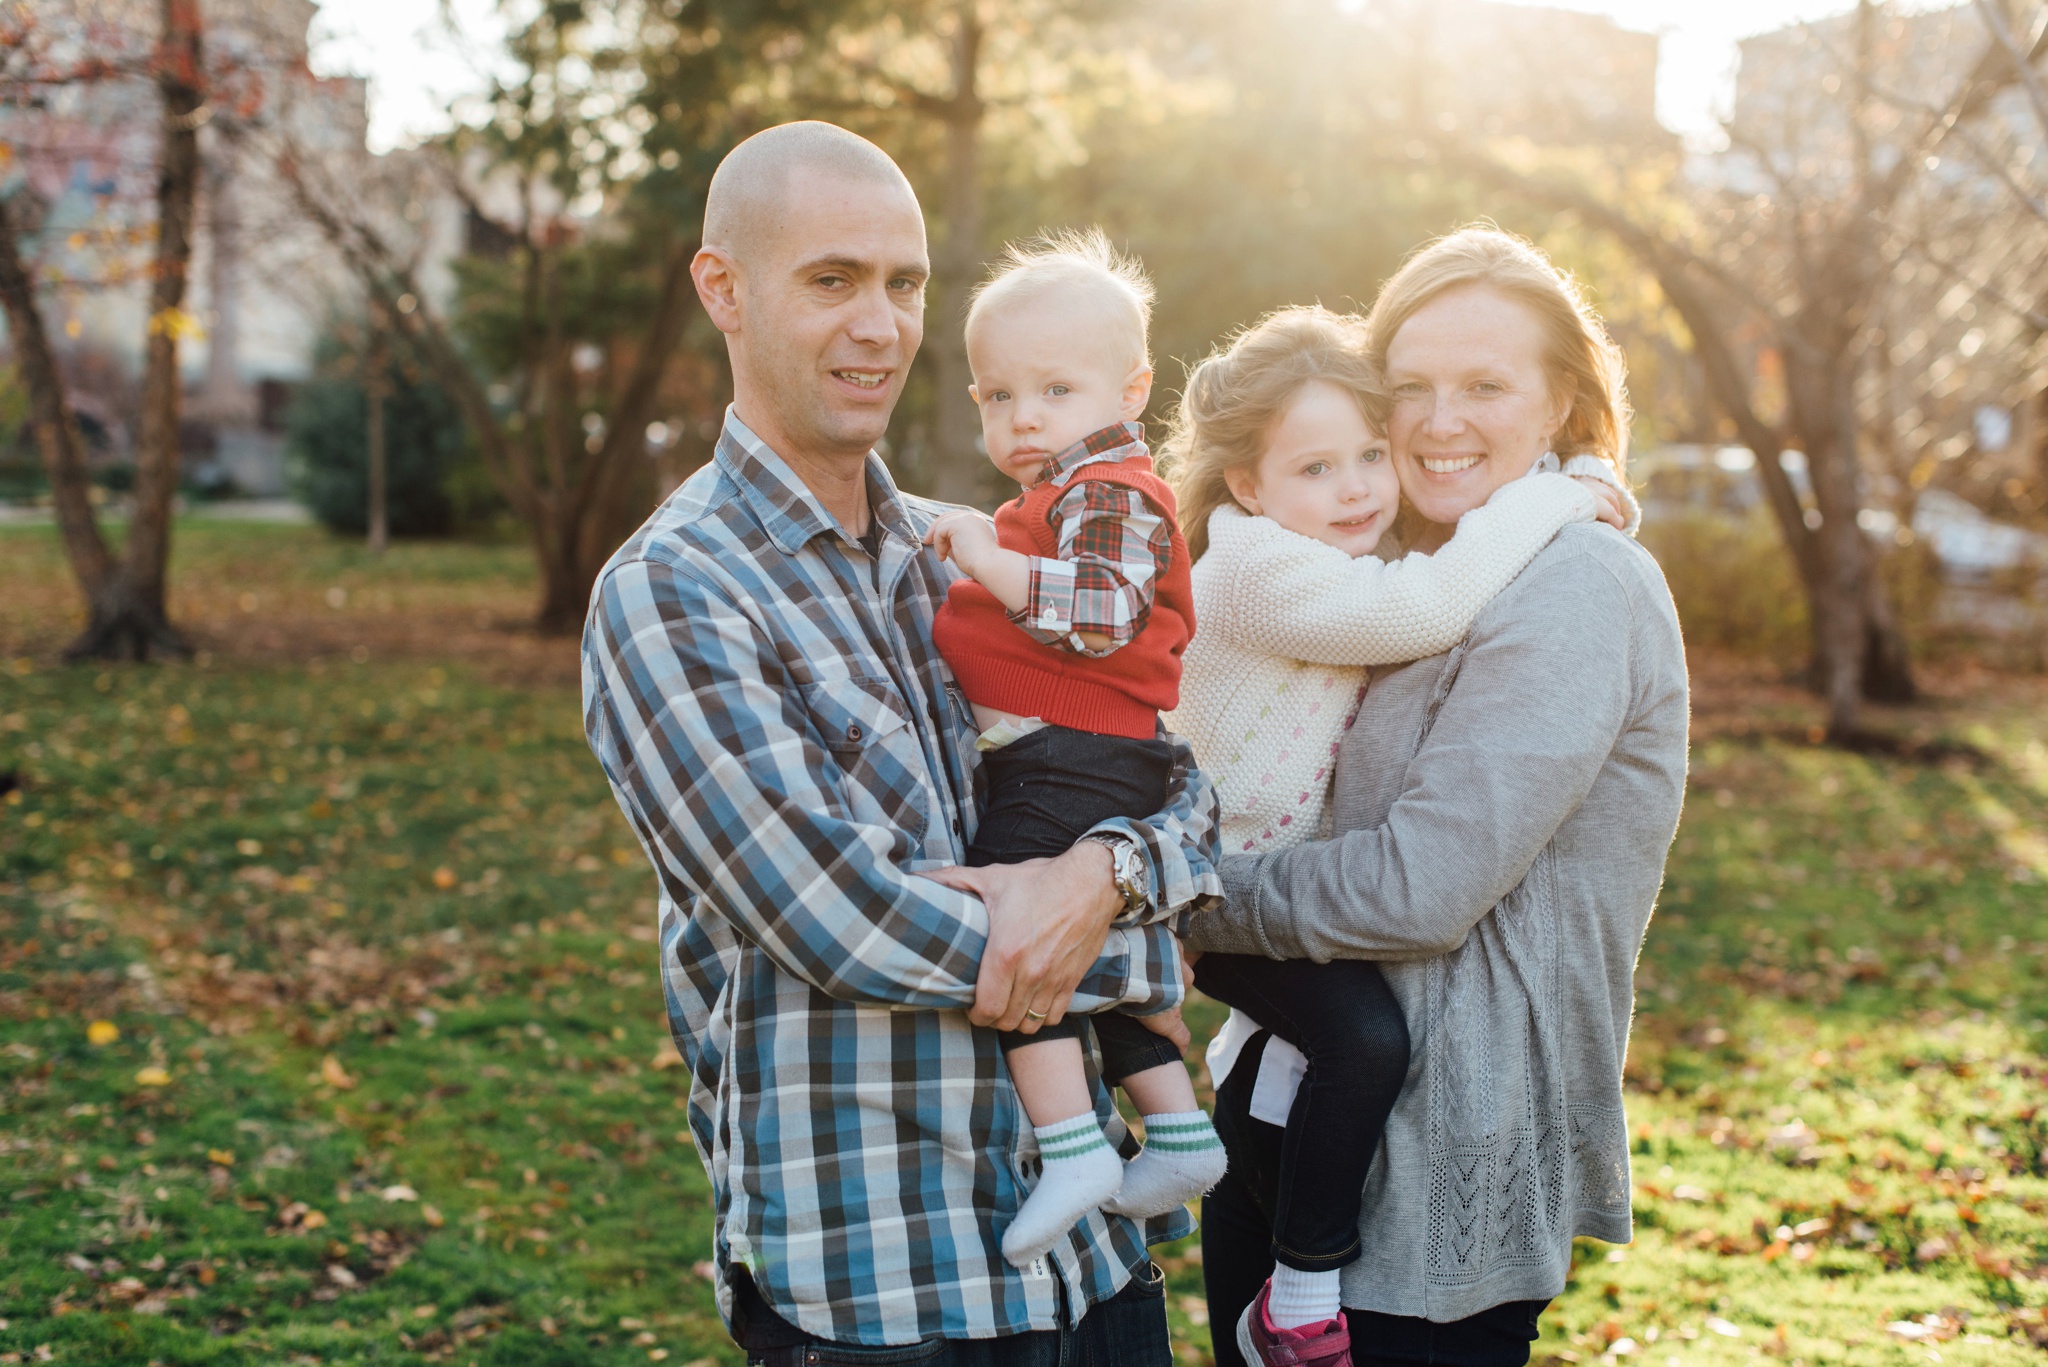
[(1070, 258)]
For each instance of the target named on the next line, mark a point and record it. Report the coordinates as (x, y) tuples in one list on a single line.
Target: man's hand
[(1611, 510), (1047, 921)]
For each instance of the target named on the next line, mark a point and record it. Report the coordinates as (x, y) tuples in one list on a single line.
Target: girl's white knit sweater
[(1288, 626)]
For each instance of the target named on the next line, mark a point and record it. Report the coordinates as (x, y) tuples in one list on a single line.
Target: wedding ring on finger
[(1034, 1015)]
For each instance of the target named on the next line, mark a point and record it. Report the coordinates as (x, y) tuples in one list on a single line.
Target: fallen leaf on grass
[(334, 1075), (340, 1275), (399, 1192), (152, 1076), (1717, 1325), (433, 1216), (665, 1056), (223, 1157), (1934, 1250), (1926, 1329), (444, 878), (102, 1032)]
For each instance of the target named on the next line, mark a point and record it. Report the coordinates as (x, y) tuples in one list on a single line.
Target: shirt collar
[(1118, 441), (788, 511)]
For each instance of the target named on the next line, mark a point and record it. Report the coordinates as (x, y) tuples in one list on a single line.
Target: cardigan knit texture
[(1290, 625), (1503, 811), (1118, 694)]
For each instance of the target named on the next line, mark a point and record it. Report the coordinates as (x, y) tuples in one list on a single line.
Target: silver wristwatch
[(1126, 868)]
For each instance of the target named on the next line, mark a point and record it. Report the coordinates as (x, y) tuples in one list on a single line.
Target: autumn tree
[(41, 52), (1981, 250), (1785, 254), (582, 181), (975, 98)]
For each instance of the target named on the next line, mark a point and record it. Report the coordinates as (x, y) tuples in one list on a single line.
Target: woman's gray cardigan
[(1502, 815)]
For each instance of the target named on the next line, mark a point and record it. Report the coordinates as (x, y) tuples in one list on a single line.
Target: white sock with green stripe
[(1182, 1159), (1081, 1172)]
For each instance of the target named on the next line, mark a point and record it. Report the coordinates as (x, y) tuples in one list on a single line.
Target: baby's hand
[(962, 537), (1610, 509)]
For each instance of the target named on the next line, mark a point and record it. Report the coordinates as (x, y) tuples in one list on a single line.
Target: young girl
[(1281, 469)]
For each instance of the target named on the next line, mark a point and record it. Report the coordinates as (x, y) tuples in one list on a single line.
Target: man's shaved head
[(751, 188), (814, 266)]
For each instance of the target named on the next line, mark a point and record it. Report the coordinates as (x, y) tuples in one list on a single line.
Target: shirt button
[(853, 733)]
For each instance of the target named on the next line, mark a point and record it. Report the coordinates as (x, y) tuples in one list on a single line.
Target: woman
[(1501, 814)]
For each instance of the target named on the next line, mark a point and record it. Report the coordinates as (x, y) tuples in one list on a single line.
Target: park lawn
[(388, 1079)]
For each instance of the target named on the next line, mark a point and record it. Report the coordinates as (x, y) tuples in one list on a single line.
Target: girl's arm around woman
[(1558, 675), (1278, 593)]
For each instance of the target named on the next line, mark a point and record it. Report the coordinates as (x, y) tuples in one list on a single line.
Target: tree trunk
[(50, 416), (959, 467), (377, 382), (1854, 628), (129, 621), (564, 588)]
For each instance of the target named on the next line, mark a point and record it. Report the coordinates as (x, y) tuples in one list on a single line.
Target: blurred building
[(1552, 75)]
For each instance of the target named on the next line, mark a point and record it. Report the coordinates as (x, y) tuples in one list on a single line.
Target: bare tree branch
[(2001, 32)]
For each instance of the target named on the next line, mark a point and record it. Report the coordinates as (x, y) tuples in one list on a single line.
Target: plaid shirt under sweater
[(1113, 546), (787, 743)]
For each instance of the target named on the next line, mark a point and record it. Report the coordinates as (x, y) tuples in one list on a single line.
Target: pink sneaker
[(1265, 1344)]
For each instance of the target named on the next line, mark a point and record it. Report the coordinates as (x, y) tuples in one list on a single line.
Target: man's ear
[(1137, 393), (718, 279), (1243, 483)]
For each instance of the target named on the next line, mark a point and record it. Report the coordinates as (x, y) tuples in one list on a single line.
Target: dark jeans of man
[(1237, 1257), (1346, 1021), (1127, 1330), (1047, 790)]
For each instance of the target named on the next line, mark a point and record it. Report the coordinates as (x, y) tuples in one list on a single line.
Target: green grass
[(380, 927)]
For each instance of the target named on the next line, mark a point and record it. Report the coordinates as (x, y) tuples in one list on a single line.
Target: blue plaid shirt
[(788, 745)]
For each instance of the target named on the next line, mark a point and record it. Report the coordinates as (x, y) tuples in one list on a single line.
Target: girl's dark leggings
[(1344, 1018), (1237, 1224)]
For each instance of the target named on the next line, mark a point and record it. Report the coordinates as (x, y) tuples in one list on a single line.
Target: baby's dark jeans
[(1046, 791)]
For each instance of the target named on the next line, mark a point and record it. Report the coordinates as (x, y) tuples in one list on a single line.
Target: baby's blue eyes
[(1375, 456), (1004, 395)]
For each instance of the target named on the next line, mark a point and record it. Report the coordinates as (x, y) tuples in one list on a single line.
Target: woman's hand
[(1608, 497)]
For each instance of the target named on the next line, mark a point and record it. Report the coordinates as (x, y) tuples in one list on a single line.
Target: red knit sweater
[(1000, 666)]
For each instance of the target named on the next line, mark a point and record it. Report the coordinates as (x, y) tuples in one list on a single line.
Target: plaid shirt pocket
[(861, 722)]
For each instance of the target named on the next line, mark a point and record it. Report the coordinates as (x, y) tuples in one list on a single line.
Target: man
[(762, 689)]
